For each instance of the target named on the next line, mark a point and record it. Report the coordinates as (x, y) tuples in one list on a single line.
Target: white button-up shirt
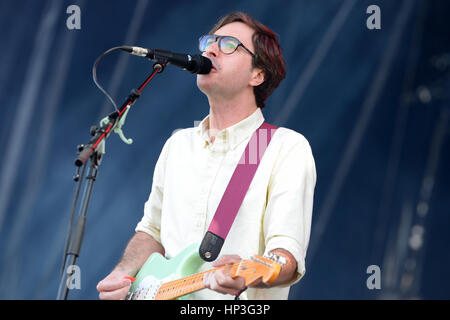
[(192, 174)]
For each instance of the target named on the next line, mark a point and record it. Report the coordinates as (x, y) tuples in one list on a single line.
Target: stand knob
[(93, 130)]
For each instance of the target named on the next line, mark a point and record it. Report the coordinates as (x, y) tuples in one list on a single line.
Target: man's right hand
[(115, 286)]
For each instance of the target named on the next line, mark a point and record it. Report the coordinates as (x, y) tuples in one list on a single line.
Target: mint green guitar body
[(158, 270)]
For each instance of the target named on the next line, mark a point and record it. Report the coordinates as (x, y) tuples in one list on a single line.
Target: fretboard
[(180, 287)]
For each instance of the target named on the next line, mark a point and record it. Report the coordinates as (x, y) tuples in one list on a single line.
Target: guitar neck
[(180, 287), (251, 270)]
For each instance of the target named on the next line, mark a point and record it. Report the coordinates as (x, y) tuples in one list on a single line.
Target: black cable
[(94, 74)]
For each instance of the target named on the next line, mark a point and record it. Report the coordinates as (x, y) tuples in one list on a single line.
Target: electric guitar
[(162, 279)]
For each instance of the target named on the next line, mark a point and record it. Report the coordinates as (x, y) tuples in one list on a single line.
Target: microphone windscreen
[(202, 64)]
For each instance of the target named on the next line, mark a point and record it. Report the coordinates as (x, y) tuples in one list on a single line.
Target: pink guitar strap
[(235, 192)]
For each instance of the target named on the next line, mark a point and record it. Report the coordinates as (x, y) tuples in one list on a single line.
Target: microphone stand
[(93, 151)]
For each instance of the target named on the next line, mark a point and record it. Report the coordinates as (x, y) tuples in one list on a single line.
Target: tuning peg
[(278, 259)]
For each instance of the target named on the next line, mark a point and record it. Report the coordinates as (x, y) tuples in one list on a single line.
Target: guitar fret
[(250, 270), (180, 287)]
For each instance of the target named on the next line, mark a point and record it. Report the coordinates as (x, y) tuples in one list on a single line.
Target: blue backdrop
[(374, 105)]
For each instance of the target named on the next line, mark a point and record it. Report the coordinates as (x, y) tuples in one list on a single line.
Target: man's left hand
[(220, 281)]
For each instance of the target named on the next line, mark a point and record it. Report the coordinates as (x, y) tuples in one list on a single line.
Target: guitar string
[(176, 292), (231, 268), (176, 288), (194, 278), (193, 283)]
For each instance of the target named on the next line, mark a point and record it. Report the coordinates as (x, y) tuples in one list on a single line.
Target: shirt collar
[(231, 137)]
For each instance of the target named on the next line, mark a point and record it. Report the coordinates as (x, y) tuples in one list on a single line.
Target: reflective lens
[(206, 41), (227, 44)]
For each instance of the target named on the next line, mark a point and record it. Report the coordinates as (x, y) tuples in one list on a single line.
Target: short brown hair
[(268, 54)]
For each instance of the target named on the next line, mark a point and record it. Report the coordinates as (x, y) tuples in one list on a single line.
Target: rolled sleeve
[(287, 220), (151, 220), (294, 248)]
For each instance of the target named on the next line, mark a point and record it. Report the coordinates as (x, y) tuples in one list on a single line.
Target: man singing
[(195, 166)]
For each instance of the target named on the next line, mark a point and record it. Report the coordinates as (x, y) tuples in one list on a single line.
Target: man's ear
[(258, 77)]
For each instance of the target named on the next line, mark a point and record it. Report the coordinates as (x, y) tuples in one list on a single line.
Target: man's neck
[(225, 114)]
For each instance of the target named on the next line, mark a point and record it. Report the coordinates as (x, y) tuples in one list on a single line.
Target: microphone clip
[(161, 58)]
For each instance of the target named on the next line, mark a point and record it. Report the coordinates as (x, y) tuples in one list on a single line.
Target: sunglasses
[(227, 44)]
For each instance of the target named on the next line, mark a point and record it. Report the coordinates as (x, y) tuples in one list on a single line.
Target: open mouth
[(215, 65)]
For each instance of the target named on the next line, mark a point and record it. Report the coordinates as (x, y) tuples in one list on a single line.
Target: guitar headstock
[(258, 267)]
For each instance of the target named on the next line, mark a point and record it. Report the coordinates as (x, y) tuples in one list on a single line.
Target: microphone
[(193, 63)]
